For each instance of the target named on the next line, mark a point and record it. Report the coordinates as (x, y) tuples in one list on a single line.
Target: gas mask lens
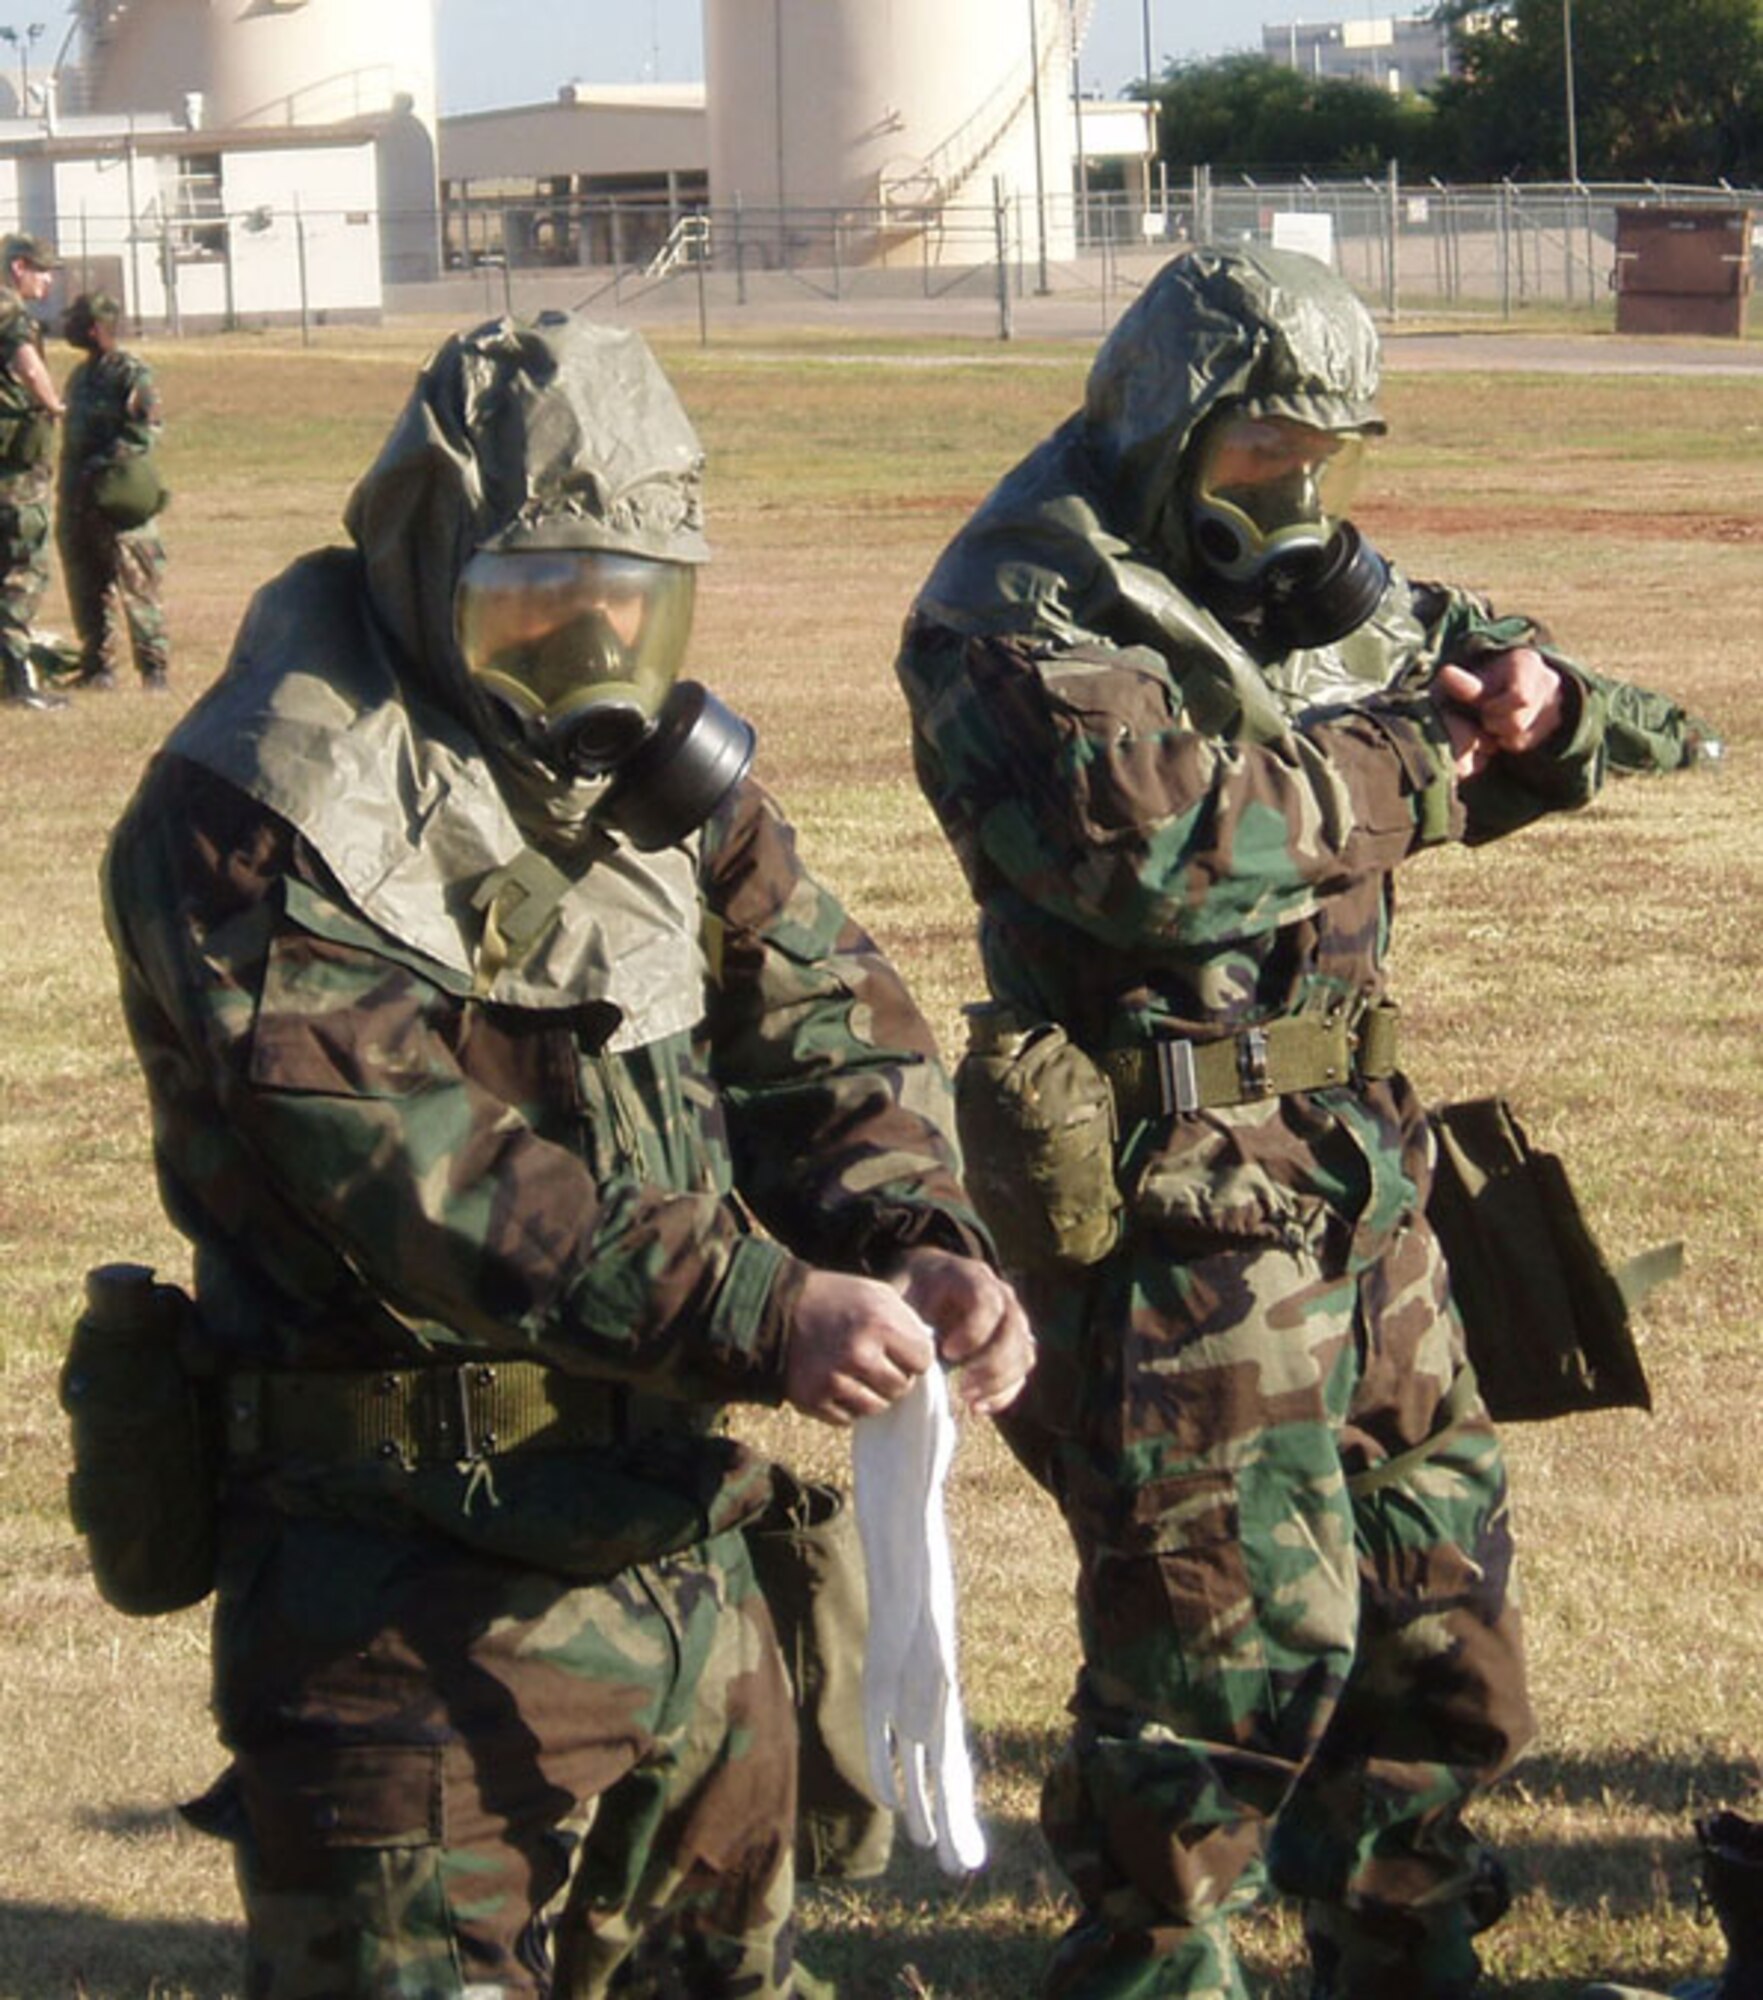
[(1270, 488), (579, 647)]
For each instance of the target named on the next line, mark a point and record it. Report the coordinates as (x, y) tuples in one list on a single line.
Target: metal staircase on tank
[(912, 192)]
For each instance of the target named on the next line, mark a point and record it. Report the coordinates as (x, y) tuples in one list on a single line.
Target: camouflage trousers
[(24, 568), (114, 579), (455, 1780), (1301, 1652)]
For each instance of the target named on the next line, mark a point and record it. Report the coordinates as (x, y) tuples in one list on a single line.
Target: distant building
[(599, 174), (1393, 53), (200, 228)]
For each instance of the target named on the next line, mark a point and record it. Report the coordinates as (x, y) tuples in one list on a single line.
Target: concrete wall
[(277, 206)]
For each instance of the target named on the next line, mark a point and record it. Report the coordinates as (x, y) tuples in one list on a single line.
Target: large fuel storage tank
[(262, 62), (895, 115), (241, 63)]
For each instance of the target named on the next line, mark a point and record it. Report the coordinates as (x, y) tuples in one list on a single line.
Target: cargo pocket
[(1166, 1603), (340, 1866)]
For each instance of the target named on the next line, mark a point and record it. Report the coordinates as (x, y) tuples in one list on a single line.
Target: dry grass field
[(1606, 972)]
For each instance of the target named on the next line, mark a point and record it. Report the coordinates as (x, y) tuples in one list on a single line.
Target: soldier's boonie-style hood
[(1088, 536), (347, 707)]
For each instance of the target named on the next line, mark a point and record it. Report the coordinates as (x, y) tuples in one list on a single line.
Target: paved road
[(889, 305)]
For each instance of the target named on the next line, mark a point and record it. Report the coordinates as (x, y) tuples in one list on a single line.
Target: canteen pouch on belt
[(26, 438), (1545, 1317), (809, 1562), (145, 1454), (1037, 1124)]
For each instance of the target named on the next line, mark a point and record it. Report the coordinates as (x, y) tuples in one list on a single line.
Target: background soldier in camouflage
[(111, 563), (1181, 724), (29, 404), (467, 1092)]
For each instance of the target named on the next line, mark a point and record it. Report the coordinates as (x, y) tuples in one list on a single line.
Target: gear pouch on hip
[(145, 1455), (1038, 1131), (809, 1562), (1545, 1317)]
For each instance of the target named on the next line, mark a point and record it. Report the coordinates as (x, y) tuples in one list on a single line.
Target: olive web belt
[(1169, 1076), (418, 1416)]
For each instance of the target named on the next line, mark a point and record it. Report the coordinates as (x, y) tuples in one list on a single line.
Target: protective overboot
[(1732, 1887), (23, 689), (1694, 1989), (1732, 1884)]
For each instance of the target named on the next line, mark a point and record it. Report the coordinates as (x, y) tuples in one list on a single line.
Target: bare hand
[(1517, 700), (982, 1331), (1471, 750), (856, 1346)]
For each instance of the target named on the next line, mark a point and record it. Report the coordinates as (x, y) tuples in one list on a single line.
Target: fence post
[(1393, 288), (1505, 249), (740, 252), (300, 263), (1001, 235)]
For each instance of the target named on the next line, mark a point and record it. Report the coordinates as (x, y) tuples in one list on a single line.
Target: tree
[(1247, 113), (1663, 90)]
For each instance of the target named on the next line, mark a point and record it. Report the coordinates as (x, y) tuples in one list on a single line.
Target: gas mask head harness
[(577, 650), (1267, 505)]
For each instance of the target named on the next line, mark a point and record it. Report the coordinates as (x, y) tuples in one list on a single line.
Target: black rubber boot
[(1732, 1886), (22, 688)]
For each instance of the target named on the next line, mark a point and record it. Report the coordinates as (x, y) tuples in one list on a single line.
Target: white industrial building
[(825, 130), (1405, 52), (212, 164), (218, 163)]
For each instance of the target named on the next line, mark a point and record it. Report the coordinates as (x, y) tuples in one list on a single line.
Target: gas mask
[(578, 650), (1267, 514)]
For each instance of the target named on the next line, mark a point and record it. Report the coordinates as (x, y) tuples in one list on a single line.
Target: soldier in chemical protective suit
[(1181, 723), (483, 1000)]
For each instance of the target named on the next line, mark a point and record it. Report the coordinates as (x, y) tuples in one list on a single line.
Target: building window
[(198, 211)]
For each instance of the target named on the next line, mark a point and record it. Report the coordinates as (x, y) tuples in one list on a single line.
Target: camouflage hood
[(347, 707), (1087, 537)]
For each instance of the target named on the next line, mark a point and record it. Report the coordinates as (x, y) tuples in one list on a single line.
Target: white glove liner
[(911, 1696)]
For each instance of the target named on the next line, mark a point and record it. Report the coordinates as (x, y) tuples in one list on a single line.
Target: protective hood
[(347, 707), (562, 434), (1087, 539)]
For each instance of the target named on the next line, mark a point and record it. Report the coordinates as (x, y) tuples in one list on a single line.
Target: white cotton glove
[(911, 1695)]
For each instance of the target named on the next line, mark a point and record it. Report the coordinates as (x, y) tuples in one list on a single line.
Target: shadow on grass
[(48, 1952), (1622, 1871)]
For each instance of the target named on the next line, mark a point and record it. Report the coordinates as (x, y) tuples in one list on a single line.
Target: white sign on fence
[(1295, 229)]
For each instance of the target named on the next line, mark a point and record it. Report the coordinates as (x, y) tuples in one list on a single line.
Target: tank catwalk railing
[(947, 169)]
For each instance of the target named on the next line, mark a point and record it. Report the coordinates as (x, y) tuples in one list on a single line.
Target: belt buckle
[(1178, 1082), (1252, 1074), (477, 1437)]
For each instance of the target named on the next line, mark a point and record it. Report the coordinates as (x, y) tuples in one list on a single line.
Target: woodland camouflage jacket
[(1165, 835), (384, 1161), (113, 410)]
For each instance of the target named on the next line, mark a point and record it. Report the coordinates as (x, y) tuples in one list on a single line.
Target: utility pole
[(1042, 287), (1572, 120)]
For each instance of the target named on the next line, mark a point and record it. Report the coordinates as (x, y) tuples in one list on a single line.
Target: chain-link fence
[(1415, 247), (1409, 248)]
